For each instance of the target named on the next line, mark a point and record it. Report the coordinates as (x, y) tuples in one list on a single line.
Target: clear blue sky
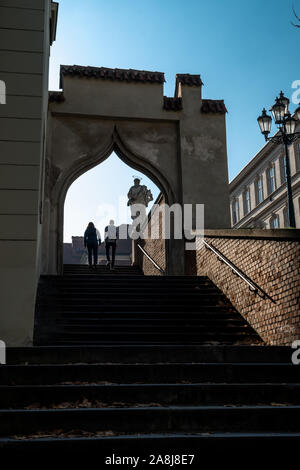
[(245, 51)]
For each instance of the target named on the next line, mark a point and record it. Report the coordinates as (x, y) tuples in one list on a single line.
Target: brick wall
[(154, 247), (271, 258)]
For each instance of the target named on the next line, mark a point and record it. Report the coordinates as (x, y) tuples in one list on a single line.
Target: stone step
[(206, 311), (134, 278), (130, 291), (209, 320), (152, 321), (44, 374), (152, 325), (179, 302), (50, 336), (21, 396), (149, 354), (122, 283), (135, 296), (154, 419), (66, 341), (195, 446)]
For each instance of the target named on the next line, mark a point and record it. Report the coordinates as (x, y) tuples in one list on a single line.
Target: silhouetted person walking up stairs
[(92, 240), (110, 242)]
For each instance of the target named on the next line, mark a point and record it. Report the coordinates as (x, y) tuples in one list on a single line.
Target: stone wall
[(156, 248), (271, 259), (25, 39)]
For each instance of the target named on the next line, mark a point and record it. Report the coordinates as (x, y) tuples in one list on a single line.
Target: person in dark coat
[(92, 240), (111, 236)]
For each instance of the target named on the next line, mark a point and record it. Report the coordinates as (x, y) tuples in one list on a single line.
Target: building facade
[(27, 30), (258, 194)]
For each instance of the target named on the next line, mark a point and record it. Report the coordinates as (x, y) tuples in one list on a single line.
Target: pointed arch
[(88, 161)]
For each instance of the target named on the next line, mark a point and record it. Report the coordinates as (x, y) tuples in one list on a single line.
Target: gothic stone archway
[(179, 142)]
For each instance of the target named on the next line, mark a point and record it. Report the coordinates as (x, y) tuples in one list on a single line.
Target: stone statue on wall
[(138, 195)]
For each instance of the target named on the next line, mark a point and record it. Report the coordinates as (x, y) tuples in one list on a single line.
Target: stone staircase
[(170, 374), (136, 400), (106, 307)]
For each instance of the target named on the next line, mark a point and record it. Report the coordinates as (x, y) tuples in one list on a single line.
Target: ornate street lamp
[(286, 135)]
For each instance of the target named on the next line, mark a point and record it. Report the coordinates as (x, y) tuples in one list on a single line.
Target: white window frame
[(271, 170), (259, 188), (272, 220), (297, 156), (282, 165), (235, 211), (247, 200), (285, 214)]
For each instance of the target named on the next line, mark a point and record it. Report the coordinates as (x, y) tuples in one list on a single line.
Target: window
[(259, 190), (297, 157), (271, 179), (286, 217), (274, 221), (283, 170), (235, 211), (246, 201)]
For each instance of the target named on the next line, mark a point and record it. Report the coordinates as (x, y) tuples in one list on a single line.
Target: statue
[(141, 195)]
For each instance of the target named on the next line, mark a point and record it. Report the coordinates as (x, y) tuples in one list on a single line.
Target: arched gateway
[(180, 143)]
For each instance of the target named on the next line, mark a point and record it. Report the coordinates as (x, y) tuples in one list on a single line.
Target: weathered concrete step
[(20, 396), (134, 278), (140, 303), (150, 354), (60, 341), (129, 321), (158, 319), (104, 271), (120, 309), (136, 326), (142, 445), (206, 311), (130, 281), (116, 277), (143, 281), (154, 419), (136, 296), (149, 373), (140, 335), (108, 274), (124, 291), (86, 267), (97, 283)]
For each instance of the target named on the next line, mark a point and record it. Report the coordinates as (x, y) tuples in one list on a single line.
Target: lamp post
[(286, 135)]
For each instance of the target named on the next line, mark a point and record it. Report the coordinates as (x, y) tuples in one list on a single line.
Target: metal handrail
[(252, 285), (151, 259)]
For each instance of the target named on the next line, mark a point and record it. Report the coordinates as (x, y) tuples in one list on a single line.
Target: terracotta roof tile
[(213, 106), (187, 79), (104, 73), (172, 104), (56, 96)]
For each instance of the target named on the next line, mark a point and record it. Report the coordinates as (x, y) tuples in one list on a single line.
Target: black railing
[(251, 284), (151, 259)]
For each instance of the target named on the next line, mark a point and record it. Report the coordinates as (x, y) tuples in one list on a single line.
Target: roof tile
[(105, 73), (188, 79), (213, 106), (172, 104)]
